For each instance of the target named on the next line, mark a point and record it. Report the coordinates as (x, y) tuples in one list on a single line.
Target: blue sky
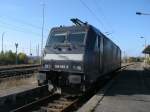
[(21, 20)]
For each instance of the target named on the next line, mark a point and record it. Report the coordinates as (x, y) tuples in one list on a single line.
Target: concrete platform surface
[(128, 92)]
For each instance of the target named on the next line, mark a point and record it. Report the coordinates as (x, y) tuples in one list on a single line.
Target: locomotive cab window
[(56, 38), (97, 42), (77, 38)]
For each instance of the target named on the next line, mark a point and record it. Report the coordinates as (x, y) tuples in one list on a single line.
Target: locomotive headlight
[(79, 68), (47, 66)]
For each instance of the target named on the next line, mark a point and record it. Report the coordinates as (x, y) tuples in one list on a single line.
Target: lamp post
[(144, 41), (147, 14), (2, 41), (141, 13), (144, 47), (16, 45), (43, 16)]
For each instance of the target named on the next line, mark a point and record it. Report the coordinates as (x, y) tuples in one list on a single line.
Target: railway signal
[(16, 45)]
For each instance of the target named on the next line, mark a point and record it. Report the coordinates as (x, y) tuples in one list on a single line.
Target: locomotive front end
[(63, 58)]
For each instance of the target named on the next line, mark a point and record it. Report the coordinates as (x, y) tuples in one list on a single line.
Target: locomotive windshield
[(57, 38), (75, 38)]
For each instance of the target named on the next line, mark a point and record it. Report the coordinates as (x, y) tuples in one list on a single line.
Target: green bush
[(22, 58), (135, 59), (148, 60), (9, 58)]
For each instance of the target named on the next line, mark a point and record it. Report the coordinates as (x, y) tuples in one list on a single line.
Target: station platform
[(129, 91)]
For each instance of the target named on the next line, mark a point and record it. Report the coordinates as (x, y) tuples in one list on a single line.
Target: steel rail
[(35, 104), (18, 71), (9, 67)]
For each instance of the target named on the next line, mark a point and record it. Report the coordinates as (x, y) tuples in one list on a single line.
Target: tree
[(22, 58), (9, 57), (2, 59)]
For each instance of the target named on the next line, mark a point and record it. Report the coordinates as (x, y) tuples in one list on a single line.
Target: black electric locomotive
[(76, 56)]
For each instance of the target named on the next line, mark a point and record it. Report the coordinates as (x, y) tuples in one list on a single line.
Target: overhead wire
[(17, 29), (91, 11), (97, 18), (104, 16), (22, 22)]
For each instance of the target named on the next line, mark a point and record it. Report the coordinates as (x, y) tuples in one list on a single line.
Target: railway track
[(63, 103), (10, 71), (20, 97), (9, 67), (52, 103)]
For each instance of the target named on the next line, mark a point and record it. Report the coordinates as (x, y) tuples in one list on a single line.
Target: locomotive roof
[(73, 28), (100, 33), (78, 28)]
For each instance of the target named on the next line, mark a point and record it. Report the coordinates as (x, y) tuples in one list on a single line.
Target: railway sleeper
[(54, 110), (59, 106), (62, 102), (47, 109), (54, 105)]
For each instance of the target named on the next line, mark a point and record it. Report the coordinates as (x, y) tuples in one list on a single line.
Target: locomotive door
[(100, 44)]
